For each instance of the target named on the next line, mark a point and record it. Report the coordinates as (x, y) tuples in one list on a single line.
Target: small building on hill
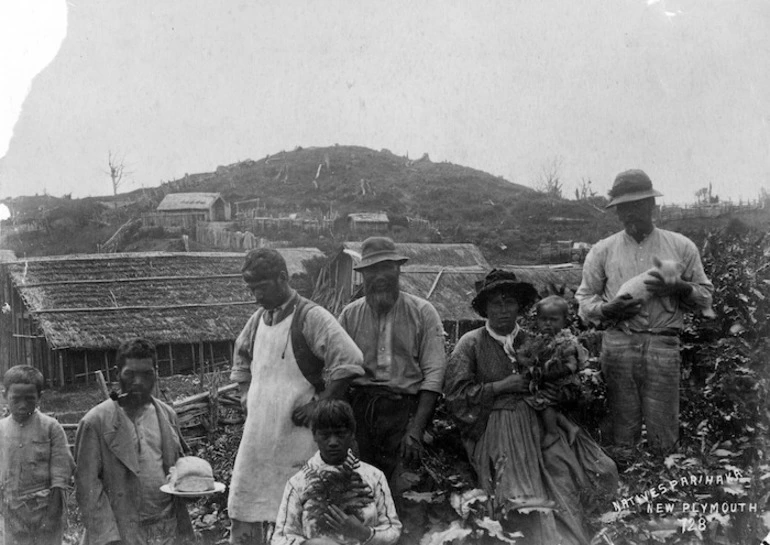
[(184, 209), (368, 222), (562, 251), (66, 315), (444, 274)]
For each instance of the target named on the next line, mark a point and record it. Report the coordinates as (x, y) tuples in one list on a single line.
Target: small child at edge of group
[(557, 363), (35, 464)]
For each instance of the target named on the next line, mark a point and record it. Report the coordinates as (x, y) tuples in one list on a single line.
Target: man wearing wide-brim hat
[(402, 339), (641, 348)]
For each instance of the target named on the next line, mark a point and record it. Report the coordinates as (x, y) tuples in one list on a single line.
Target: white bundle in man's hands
[(668, 271)]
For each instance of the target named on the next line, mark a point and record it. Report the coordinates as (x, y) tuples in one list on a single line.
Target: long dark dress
[(503, 434)]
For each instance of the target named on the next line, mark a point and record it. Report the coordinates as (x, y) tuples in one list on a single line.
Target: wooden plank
[(120, 280), (171, 357), (139, 307), (102, 384), (435, 283), (202, 363), (196, 398), (85, 361), (61, 368), (107, 366)]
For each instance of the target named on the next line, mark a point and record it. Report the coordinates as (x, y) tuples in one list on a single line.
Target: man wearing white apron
[(291, 353)]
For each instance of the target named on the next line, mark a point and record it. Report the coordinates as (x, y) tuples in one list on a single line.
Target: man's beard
[(382, 299)]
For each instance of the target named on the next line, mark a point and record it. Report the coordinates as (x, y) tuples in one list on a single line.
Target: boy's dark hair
[(333, 413), (264, 263), (137, 348), (554, 301), (23, 374)]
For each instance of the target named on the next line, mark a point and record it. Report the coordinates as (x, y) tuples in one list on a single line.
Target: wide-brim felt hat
[(506, 281), (630, 186), (378, 249)]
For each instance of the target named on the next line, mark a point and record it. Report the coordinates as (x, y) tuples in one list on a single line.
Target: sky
[(677, 88)]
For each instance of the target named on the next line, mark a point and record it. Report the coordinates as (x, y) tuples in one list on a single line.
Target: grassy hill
[(508, 221), (466, 205)]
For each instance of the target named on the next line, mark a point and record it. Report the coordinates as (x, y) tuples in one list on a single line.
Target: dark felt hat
[(631, 185), (505, 281), (377, 249)]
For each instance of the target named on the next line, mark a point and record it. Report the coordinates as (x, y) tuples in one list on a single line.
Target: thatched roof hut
[(93, 302), (549, 279), (444, 274)]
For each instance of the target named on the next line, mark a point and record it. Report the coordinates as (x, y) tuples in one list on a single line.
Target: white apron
[(272, 448)]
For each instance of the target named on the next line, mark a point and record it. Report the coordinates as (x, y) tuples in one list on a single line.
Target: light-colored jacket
[(106, 480), (294, 526)]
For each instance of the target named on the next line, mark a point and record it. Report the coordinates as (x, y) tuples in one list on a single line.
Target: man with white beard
[(402, 339)]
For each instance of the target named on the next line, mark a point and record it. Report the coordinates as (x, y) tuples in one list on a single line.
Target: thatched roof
[(549, 278), (188, 201), (444, 255), (450, 289), (445, 274), (95, 301)]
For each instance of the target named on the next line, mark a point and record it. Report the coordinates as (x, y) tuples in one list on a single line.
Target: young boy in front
[(35, 464), (336, 499)]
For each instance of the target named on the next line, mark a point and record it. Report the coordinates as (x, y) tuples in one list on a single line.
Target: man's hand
[(347, 525), (622, 307), (243, 390), (301, 415), (660, 288), (410, 449), (512, 384), (53, 513), (357, 495)]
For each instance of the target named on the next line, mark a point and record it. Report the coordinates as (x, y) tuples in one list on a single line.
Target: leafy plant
[(339, 486)]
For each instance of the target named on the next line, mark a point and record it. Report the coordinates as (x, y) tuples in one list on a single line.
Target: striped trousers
[(641, 371)]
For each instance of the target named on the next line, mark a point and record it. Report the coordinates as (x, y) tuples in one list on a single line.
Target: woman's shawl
[(476, 362)]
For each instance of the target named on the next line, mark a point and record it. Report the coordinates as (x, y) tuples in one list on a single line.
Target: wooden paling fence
[(199, 415)]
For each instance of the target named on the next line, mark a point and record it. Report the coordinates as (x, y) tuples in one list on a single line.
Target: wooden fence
[(186, 221)]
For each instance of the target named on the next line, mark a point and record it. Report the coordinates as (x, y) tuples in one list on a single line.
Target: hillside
[(466, 205), (508, 221)]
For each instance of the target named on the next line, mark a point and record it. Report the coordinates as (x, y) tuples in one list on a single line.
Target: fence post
[(102, 384)]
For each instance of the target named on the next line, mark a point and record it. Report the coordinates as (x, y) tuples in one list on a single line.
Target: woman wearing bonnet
[(486, 387)]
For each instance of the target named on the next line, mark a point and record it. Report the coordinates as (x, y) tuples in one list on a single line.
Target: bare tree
[(549, 179), (117, 172), (584, 191)]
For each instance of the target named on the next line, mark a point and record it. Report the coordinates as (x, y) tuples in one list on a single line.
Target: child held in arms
[(554, 356), (336, 499), (35, 464)]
